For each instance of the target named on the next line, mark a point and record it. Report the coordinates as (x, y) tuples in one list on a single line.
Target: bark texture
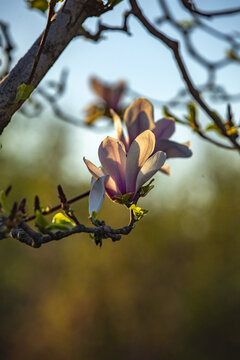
[(64, 27)]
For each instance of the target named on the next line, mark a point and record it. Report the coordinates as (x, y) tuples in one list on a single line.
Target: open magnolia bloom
[(138, 117), (123, 172)]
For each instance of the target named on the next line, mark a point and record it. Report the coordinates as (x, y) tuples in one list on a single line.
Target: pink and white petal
[(118, 126), (140, 150), (164, 128), (112, 155), (165, 169), (97, 195), (138, 117), (151, 166), (172, 148), (95, 171)]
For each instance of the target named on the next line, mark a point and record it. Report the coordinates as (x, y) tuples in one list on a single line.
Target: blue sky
[(145, 63)]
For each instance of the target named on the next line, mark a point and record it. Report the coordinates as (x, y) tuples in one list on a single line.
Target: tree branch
[(28, 236), (64, 27), (174, 46), (15, 224)]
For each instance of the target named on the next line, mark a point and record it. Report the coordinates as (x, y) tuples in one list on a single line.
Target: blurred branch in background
[(186, 29), (112, 96), (211, 90), (189, 4), (174, 46), (7, 47)]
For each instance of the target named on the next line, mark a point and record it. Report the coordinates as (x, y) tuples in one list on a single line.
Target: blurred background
[(169, 290)]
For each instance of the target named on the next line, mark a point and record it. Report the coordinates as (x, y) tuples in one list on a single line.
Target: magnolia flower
[(109, 96), (138, 117), (123, 172)]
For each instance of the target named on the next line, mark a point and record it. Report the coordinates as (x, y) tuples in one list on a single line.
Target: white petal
[(97, 195), (93, 180), (151, 166)]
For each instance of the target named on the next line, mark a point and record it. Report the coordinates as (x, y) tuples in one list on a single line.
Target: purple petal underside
[(164, 128), (100, 89), (116, 94), (172, 148)]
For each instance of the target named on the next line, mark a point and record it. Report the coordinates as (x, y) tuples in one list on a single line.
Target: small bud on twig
[(13, 211), (36, 203), (63, 199), (22, 205), (7, 190)]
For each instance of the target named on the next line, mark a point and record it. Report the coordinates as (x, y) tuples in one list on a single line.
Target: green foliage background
[(170, 290)]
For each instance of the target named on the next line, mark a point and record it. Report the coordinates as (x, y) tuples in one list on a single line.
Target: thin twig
[(189, 5), (51, 6), (104, 27), (57, 207)]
